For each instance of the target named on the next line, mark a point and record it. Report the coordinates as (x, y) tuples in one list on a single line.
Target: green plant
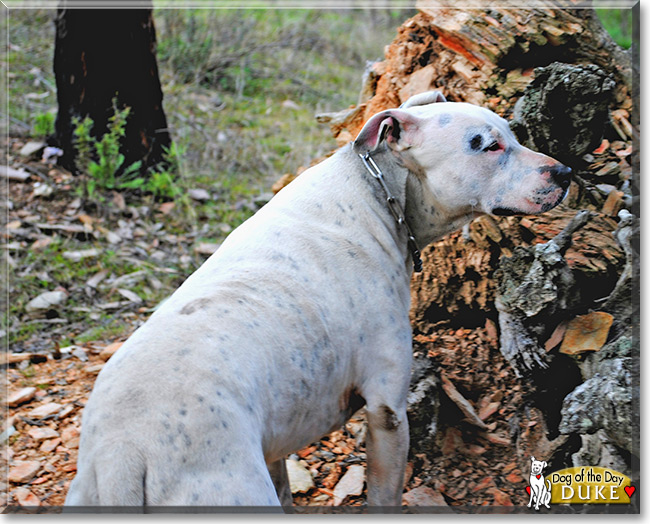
[(160, 181), (44, 124), (101, 159)]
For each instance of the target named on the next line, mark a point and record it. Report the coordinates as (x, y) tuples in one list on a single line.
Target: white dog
[(540, 493), (300, 318)]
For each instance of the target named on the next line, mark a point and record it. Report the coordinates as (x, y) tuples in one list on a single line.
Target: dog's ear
[(395, 127), (544, 464), (423, 99), (532, 459)]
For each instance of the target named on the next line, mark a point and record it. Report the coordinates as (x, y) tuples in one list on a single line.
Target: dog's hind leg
[(82, 492), (246, 484), (115, 478)]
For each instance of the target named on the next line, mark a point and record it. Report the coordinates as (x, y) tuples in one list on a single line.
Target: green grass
[(618, 23), (31, 86)]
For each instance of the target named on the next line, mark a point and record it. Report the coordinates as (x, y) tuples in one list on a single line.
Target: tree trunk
[(100, 55)]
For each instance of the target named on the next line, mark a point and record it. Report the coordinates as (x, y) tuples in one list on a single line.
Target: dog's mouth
[(532, 207), (506, 212)]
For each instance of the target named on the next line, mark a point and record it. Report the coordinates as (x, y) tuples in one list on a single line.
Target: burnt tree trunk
[(106, 54)]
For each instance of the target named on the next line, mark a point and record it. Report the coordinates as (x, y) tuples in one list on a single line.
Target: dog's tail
[(548, 483), (114, 478)]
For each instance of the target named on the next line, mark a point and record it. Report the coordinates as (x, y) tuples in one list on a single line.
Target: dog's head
[(537, 466), (466, 158)]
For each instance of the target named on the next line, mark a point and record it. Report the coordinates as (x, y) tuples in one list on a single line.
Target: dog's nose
[(561, 175)]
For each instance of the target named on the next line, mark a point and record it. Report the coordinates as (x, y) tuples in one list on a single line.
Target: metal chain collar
[(395, 209)]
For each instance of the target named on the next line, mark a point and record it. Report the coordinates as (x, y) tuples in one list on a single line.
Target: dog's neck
[(394, 198), (428, 218)]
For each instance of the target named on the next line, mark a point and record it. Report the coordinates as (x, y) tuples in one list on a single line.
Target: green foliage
[(101, 159), (257, 52), (618, 23), (44, 124), (160, 182)]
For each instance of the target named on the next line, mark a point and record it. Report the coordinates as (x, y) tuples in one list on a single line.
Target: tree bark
[(102, 54), (457, 281)]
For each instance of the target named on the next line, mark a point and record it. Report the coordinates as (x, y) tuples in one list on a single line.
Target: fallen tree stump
[(457, 281), (483, 56), (536, 290)]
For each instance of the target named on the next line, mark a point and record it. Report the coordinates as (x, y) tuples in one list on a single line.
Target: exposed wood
[(486, 56), (536, 291), (457, 280)]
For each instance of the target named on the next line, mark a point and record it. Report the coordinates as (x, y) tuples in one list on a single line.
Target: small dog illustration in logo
[(539, 492)]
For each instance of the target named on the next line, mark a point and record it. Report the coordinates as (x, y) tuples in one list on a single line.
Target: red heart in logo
[(528, 489), (538, 476), (629, 490)]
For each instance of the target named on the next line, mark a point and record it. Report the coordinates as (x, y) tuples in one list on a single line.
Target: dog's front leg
[(278, 471), (538, 497), (532, 496), (386, 449)]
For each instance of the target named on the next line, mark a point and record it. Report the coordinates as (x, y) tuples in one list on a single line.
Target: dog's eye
[(494, 146)]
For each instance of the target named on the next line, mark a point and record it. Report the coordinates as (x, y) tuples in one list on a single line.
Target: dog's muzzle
[(560, 174)]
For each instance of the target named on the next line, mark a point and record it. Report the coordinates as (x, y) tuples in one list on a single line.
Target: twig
[(563, 239)]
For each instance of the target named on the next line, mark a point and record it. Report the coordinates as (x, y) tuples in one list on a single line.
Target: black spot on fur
[(389, 422), (351, 401), (505, 211), (194, 305), (476, 142), (444, 119)]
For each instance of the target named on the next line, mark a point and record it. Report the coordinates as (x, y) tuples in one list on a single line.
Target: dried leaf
[(110, 350), (556, 337), (25, 497), (44, 410), (21, 396), (462, 403), (586, 333), (423, 496), (23, 471)]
